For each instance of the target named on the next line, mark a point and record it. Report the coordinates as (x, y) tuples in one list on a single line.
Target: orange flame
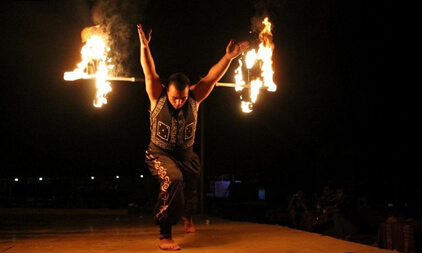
[(95, 62), (262, 59)]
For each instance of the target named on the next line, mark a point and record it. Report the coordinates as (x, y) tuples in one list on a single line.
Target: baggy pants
[(177, 173)]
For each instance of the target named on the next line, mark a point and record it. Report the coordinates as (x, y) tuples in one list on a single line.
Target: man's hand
[(144, 38), (234, 49), (203, 88)]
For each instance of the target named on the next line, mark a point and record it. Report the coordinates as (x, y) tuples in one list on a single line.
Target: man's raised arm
[(152, 80), (203, 88)]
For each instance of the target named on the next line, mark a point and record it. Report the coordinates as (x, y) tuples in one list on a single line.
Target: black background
[(342, 111)]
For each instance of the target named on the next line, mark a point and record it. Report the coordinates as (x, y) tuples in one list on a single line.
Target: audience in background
[(344, 216), (322, 214), (299, 205)]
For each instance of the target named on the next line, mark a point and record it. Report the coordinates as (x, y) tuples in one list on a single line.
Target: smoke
[(261, 11), (266, 8), (118, 19)]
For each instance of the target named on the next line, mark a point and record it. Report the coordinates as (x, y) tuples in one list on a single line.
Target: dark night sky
[(339, 112)]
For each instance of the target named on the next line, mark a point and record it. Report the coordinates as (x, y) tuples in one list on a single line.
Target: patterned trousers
[(178, 174)]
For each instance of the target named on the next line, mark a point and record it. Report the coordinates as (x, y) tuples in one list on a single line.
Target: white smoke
[(118, 19)]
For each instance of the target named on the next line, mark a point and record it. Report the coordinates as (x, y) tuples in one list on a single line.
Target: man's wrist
[(228, 58)]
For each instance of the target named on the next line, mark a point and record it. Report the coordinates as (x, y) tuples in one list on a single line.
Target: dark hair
[(179, 80)]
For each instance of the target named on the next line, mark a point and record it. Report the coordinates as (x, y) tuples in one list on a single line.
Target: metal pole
[(108, 78), (202, 190), (232, 85), (141, 80)]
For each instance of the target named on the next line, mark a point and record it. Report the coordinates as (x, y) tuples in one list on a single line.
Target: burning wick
[(260, 62), (95, 62)]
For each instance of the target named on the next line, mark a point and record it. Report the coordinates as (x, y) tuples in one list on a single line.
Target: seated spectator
[(298, 207), (327, 199), (344, 217), (322, 214)]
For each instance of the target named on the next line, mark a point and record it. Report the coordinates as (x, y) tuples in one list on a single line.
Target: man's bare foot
[(189, 227), (168, 244)]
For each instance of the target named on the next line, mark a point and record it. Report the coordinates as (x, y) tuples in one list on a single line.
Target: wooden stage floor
[(58, 230)]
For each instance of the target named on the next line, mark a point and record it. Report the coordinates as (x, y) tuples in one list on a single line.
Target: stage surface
[(74, 231)]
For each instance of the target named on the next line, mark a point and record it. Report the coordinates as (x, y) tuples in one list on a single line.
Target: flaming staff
[(260, 62), (96, 64)]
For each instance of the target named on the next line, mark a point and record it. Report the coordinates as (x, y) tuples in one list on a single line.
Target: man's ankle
[(165, 236)]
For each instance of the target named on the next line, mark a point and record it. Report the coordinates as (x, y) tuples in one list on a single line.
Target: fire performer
[(173, 119)]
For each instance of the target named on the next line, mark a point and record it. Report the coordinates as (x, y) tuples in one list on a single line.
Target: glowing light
[(95, 61), (259, 62), (142, 176), (92, 178), (16, 179), (117, 177), (239, 77), (40, 179), (246, 106), (250, 59)]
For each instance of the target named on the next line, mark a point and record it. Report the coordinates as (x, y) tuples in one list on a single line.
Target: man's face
[(176, 97)]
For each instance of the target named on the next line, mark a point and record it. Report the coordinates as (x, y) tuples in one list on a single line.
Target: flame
[(246, 106), (261, 59), (95, 61), (265, 53), (250, 59), (239, 77)]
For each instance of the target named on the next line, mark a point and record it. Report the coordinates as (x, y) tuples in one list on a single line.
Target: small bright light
[(117, 177), (16, 179), (142, 176), (40, 178), (92, 178)]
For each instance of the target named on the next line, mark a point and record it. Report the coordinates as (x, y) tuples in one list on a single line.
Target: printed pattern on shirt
[(163, 131), (189, 131)]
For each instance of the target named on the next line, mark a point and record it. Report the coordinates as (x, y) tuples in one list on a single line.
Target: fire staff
[(173, 119)]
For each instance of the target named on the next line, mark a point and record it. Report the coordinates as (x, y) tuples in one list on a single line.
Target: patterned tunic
[(173, 129)]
